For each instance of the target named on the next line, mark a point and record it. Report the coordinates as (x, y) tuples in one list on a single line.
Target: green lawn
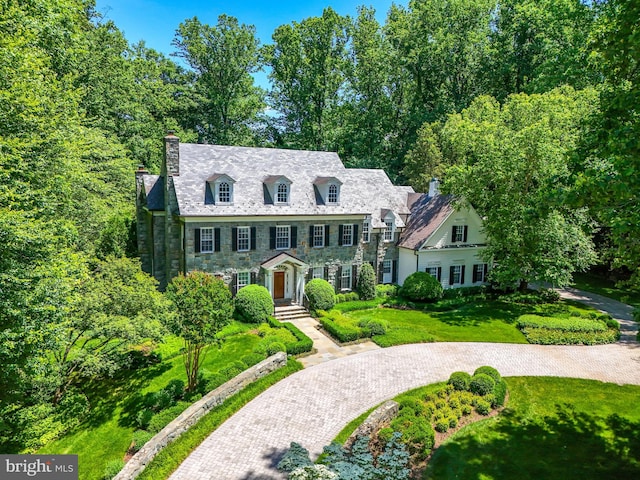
[(553, 428), (106, 434), (607, 288)]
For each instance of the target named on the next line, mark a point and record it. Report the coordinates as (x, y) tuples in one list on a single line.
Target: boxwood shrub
[(421, 287), (482, 384), (320, 294), (253, 304), (301, 345), (492, 372), (339, 327), (460, 380)]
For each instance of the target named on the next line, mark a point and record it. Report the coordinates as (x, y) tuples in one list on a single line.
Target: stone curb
[(195, 412), (381, 415)]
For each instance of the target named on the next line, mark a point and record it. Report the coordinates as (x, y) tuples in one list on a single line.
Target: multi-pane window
[(282, 194), (318, 272), (243, 239), (206, 240), (388, 231), (387, 266), (224, 192), (458, 234), (244, 279), (479, 272), (332, 197), (456, 274), (345, 278), (283, 237), (318, 236), (433, 271), (366, 231), (347, 235)]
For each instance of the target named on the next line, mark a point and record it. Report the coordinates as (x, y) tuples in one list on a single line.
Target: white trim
[(273, 218), (248, 230), (288, 227), (322, 236)]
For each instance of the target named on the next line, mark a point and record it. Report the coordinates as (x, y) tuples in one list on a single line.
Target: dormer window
[(389, 230), (221, 189), (327, 190), (282, 195), (332, 197), (224, 193)]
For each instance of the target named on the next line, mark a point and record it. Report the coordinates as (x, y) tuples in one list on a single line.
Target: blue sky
[(155, 21)]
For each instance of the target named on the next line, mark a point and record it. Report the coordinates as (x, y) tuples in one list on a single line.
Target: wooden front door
[(278, 285)]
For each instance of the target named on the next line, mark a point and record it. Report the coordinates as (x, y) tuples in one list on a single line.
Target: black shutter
[(294, 237), (453, 234), (474, 275), (439, 273), (486, 270), (272, 238), (338, 281), (254, 278), (451, 275), (234, 284), (311, 236), (216, 239), (380, 272), (354, 277), (234, 239), (340, 231), (253, 238), (356, 239), (326, 273), (310, 274), (196, 241), (464, 235), (326, 235), (394, 271), (462, 275)]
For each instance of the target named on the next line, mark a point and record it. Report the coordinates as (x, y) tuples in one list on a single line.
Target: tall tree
[(308, 61), (223, 58), (511, 164), (424, 161)]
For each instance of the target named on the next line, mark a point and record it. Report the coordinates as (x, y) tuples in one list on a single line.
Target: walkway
[(313, 405)]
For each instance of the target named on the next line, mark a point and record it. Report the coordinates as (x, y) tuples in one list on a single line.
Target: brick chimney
[(171, 155)]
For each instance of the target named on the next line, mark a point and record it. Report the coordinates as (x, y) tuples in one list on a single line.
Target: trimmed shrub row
[(570, 324), (346, 297), (545, 336), (339, 327), (301, 345)]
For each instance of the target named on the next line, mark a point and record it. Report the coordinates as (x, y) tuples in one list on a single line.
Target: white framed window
[(318, 236), (282, 193), (459, 233), (243, 239), (224, 193), (345, 278), (332, 196), (206, 239), (433, 271), (387, 271), (480, 272), (366, 230), (347, 235), (456, 275), (283, 237), (244, 279), (318, 272), (388, 231)]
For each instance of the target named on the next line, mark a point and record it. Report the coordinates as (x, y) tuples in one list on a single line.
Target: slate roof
[(154, 192), (363, 191), (427, 214)]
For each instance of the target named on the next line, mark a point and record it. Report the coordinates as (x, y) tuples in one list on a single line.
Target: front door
[(278, 285)]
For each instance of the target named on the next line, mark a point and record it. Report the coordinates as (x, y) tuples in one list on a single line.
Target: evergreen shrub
[(253, 304), (421, 287), (320, 294), (367, 282), (482, 384), (460, 380), (386, 290), (140, 437), (492, 372)]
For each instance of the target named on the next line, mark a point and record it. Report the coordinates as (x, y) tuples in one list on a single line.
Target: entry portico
[(285, 277)]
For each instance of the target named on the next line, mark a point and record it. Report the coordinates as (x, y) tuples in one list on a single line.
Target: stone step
[(291, 312)]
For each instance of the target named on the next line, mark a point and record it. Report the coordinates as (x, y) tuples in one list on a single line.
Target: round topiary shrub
[(320, 294), (422, 287), (483, 407), (482, 384), (460, 380), (254, 304), (492, 372), (367, 282)]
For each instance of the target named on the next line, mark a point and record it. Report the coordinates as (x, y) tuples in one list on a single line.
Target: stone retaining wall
[(381, 415), (191, 415)]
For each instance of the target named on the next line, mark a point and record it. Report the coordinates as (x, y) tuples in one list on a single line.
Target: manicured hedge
[(253, 304), (544, 336), (339, 327), (303, 343), (570, 324)]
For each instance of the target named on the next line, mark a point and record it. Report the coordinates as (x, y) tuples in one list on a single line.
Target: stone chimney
[(434, 187), (171, 155), (139, 181)]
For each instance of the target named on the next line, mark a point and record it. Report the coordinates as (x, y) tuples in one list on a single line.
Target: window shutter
[(311, 236), (294, 237), (216, 239), (254, 278), (340, 232), (453, 234), (464, 235), (326, 273), (309, 274), (474, 275), (326, 235), (462, 275), (439, 274), (356, 239), (234, 284), (354, 277), (253, 238), (272, 238), (338, 280), (394, 271), (196, 241), (486, 270), (234, 239), (380, 272), (451, 275)]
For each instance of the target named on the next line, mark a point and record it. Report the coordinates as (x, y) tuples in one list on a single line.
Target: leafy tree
[(424, 161), (223, 58), (511, 164), (203, 305)]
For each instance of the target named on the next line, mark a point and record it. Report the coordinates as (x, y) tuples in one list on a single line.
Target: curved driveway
[(313, 405)]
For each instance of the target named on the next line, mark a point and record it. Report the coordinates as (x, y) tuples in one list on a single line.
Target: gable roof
[(427, 214), (154, 192), (363, 191)]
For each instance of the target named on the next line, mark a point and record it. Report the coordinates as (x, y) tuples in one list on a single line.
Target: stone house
[(274, 217)]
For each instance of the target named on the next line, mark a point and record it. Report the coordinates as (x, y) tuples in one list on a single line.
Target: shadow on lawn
[(565, 445), (471, 315)]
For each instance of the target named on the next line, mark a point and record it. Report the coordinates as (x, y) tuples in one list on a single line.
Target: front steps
[(290, 312)]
